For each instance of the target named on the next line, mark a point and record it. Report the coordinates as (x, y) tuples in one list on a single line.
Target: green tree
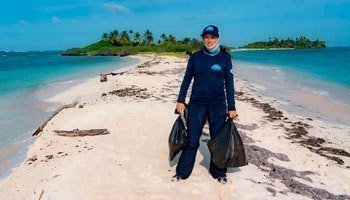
[(164, 37), (124, 38), (114, 37), (105, 37), (131, 32), (299, 43), (172, 39), (148, 37), (186, 40), (137, 38)]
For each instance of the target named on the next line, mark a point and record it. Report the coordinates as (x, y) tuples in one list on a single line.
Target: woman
[(211, 68)]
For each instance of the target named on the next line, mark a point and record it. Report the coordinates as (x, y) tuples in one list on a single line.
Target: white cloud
[(55, 20), (23, 21), (115, 7)]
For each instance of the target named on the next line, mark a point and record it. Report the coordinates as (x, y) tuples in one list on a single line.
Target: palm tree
[(114, 37), (105, 37), (275, 42), (148, 37), (124, 38), (164, 37), (130, 33), (172, 39), (137, 38)]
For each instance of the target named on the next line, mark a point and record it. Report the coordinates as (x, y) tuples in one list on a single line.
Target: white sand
[(132, 161)]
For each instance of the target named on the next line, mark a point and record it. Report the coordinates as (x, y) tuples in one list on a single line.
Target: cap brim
[(209, 32)]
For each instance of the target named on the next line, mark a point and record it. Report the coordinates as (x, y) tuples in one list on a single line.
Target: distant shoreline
[(262, 49)]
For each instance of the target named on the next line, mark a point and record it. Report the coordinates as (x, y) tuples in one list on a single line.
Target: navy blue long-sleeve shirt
[(212, 76)]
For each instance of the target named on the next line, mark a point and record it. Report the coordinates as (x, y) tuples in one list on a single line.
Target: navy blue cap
[(211, 29)]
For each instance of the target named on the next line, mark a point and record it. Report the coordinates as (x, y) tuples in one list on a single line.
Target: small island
[(127, 42), (299, 43)]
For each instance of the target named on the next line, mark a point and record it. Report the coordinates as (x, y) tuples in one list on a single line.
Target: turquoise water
[(22, 76), (322, 71), (32, 70)]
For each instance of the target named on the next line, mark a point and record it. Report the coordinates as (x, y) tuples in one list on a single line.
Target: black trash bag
[(227, 148), (178, 135)]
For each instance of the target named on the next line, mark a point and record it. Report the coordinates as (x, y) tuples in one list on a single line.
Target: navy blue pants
[(197, 116)]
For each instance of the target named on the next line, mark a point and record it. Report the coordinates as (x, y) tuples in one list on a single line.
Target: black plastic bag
[(178, 135), (227, 148)]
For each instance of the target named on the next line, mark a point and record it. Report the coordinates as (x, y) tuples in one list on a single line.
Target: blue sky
[(49, 25)]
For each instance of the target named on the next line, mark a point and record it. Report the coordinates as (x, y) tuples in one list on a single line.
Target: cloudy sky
[(61, 24)]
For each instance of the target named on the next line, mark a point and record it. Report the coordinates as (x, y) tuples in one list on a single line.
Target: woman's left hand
[(232, 113)]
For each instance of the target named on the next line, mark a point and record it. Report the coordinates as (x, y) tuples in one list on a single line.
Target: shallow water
[(312, 83), (27, 79)]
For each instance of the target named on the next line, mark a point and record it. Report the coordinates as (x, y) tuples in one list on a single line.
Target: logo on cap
[(209, 28)]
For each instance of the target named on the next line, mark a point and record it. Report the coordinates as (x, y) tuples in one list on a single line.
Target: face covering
[(214, 50)]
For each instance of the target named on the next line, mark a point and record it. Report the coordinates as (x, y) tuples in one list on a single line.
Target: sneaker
[(222, 180), (176, 178)]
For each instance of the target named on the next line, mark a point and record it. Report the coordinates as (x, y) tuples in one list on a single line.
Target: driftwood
[(41, 194), (80, 133), (103, 77), (41, 127)]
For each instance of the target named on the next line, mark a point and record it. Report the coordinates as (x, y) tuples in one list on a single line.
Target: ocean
[(23, 75), (311, 82)]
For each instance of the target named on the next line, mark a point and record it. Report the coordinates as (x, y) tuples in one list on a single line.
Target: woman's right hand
[(180, 107)]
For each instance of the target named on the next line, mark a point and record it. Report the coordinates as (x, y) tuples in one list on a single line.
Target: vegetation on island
[(299, 43), (123, 43)]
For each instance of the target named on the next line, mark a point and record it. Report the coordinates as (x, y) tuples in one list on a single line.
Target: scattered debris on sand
[(81, 133), (131, 91)]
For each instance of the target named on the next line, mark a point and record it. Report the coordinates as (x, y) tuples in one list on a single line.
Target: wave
[(314, 91), (277, 72), (14, 51), (61, 83)]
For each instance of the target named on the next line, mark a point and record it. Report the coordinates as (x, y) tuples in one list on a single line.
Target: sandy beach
[(290, 156)]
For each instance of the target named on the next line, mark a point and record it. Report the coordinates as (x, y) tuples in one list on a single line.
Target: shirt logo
[(216, 67)]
